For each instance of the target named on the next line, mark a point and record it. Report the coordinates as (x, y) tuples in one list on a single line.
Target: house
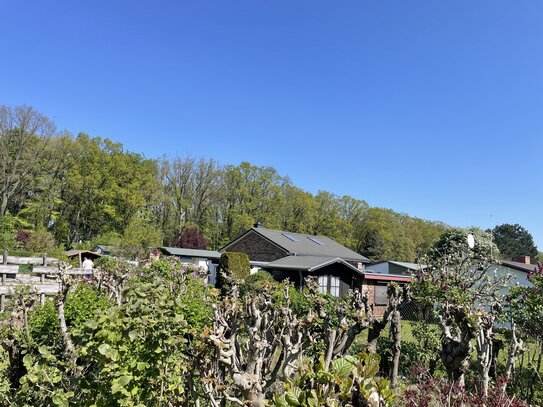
[(206, 259), (297, 255), (396, 267), (518, 270)]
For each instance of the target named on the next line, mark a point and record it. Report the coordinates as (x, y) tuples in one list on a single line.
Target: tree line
[(77, 191)]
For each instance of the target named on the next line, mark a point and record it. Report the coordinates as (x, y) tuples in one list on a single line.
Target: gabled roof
[(307, 263), (306, 244), (177, 251), (528, 268)]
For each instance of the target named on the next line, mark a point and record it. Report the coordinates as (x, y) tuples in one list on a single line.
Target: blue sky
[(433, 108)]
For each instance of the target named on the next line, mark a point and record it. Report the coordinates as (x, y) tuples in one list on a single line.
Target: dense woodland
[(57, 190), (91, 190)]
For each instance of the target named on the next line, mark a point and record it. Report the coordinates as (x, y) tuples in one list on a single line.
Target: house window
[(334, 286), (380, 295), (323, 284)]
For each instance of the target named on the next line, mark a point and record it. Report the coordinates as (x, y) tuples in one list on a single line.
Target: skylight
[(315, 240), (290, 237)]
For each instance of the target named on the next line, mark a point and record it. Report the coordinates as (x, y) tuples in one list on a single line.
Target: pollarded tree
[(259, 341), (514, 241), (526, 312), (465, 293)]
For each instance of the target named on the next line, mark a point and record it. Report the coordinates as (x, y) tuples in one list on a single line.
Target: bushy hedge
[(233, 267)]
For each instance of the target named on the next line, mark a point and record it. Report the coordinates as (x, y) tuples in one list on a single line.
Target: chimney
[(258, 224), (523, 259)]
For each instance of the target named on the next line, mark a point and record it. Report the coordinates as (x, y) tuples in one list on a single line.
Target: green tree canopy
[(514, 241)]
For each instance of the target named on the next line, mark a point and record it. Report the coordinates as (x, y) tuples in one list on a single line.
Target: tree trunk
[(396, 331), (69, 348), (515, 349), (455, 357), (484, 351), (374, 332)]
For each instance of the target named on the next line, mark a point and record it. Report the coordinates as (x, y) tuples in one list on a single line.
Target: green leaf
[(293, 396), (103, 348), (371, 367), (60, 400), (280, 401), (92, 324), (44, 351), (342, 367), (116, 387), (28, 360), (132, 335), (124, 380), (113, 354)]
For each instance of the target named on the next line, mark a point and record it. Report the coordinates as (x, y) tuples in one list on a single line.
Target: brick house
[(297, 255)]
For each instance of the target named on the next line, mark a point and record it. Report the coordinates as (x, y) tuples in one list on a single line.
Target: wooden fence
[(43, 279)]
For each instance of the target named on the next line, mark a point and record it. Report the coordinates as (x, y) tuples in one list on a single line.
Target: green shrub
[(80, 307), (350, 380), (233, 268), (82, 304), (255, 283), (40, 241), (44, 326)]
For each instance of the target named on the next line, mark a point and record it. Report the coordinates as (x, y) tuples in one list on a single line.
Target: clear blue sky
[(433, 108)]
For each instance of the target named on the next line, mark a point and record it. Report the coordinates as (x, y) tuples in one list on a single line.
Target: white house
[(206, 259)]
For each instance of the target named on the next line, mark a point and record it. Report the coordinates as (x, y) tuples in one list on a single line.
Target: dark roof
[(84, 253), (528, 268), (307, 263), (177, 251), (305, 244)]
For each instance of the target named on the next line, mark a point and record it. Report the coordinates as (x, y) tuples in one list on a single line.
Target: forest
[(87, 190)]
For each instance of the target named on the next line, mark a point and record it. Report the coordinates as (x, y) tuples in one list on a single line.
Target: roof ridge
[(292, 233)]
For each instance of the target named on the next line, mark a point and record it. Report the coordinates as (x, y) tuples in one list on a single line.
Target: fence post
[(42, 275), (2, 302), (5, 257)]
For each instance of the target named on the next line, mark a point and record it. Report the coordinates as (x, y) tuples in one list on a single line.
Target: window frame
[(323, 284), (333, 288)]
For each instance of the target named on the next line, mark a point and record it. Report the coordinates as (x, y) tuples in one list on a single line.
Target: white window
[(323, 284), (334, 286)]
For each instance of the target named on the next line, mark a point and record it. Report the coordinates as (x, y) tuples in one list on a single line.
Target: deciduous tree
[(514, 241)]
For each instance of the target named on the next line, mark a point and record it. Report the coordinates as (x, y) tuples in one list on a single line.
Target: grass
[(528, 358)]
